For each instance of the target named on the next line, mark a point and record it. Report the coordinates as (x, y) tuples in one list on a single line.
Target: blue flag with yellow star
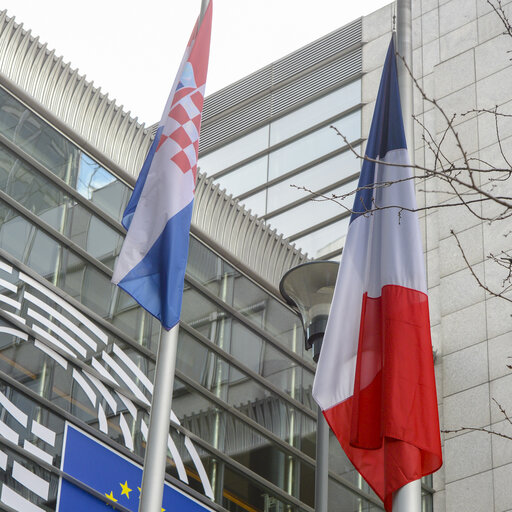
[(110, 474)]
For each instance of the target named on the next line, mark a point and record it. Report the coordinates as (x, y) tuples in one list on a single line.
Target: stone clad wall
[(460, 58)]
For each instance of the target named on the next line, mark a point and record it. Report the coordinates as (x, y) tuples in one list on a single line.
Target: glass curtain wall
[(288, 170), (75, 348)]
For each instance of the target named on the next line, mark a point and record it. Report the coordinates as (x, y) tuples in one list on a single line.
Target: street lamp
[(309, 288)]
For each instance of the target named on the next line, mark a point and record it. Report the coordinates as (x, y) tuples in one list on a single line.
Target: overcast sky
[(132, 48)]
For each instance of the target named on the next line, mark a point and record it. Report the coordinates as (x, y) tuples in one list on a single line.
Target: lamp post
[(309, 288)]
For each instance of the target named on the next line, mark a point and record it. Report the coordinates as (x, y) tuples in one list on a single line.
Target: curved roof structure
[(88, 116)]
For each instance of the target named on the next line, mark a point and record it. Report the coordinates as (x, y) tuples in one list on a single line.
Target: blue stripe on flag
[(157, 281), (141, 181), (386, 132)]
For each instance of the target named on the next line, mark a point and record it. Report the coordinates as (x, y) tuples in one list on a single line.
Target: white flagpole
[(153, 477), (408, 497)]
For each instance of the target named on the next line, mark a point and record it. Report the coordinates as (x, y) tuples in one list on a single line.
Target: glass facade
[(278, 169), (76, 349)]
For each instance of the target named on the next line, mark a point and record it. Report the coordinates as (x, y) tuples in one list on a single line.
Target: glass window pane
[(315, 112), (61, 157), (102, 188), (313, 179), (245, 345), (314, 211), (37, 138), (245, 296), (256, 203), (312, 146), (53, 206), (325, 240), (246, 177), (342, 499), (234, 152)]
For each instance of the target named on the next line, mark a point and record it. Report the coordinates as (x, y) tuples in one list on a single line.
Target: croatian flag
[(152, 262), (375, 376)]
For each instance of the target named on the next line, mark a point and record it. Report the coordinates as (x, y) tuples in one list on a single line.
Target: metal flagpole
[(407, 498), (153, 477), (322, 463), (404, 49)]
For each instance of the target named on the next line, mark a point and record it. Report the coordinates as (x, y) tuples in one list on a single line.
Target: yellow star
[(126, 490), (111, 497), (163, 509)]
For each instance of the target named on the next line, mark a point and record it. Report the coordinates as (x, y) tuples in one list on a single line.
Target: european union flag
[(112, 475)]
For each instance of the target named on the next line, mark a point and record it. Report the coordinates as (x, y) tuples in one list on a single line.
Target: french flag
[(152, 262), (375, 377)]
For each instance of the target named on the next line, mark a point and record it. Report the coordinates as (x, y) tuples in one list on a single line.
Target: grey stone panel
[(502, 446), (374, 52), (462, 101), (430, 26), (465, 369), (430, 56), (456, 13), (432, 267), (457, 218), (500, 355), (378, 23), (467, 409), (494, 89), (491, 135), (473, 494), (451, 258), (459, 329), (458, 41), (498, 317), (492, 56), (428, 5), (460, 290), (500, 393), (502, 488), (466, 455), (453, 75)]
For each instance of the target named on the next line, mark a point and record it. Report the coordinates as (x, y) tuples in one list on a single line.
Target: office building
[(77, 351)]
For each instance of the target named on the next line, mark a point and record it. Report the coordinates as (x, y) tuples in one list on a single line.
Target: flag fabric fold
[(375, 377), (151, 265)]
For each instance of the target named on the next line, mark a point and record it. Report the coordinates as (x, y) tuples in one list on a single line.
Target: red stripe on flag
[(389, 428), (179, 114)]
